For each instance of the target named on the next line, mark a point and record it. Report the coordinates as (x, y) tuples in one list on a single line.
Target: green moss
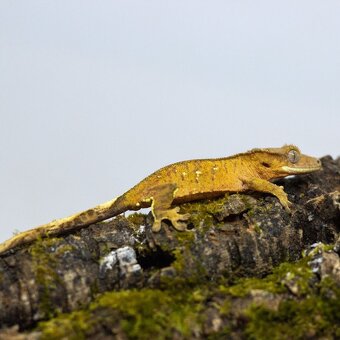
[(313, 311), (136, 219), (143, 314), (71, 326), (205, 213), (297, 274), (44, 266), (224, 333), (186, 238), (300, 273), (264, 207), (328, 247), (257, 228), (64, 249), (189, 270), (318, 249), (150, 312), (226, 307), (243, 287), (316, 316), (202, 212)]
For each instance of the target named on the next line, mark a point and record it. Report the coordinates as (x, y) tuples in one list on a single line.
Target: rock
[(237, 272)]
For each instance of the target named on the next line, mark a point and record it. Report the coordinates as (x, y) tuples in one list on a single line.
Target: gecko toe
[(287, 205), (177, 221), (156, 227), (180, 226), (184, 217)]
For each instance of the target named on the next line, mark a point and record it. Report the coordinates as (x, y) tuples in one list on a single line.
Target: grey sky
[(95, 95)]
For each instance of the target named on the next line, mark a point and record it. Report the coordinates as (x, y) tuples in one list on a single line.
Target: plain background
[(95, 95)]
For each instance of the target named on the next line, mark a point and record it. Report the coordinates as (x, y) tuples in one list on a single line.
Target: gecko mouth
[(295, 170)]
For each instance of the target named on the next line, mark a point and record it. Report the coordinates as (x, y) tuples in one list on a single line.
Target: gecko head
[(285, 161)]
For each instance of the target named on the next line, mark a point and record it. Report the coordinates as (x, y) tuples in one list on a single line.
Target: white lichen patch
[(124, 257), (316, 263), (108, 261), (310, 217), (141, 230), (315, 245)]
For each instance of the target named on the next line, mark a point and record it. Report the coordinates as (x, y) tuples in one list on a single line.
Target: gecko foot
[(285, 202), (287, 205), (173, 216)]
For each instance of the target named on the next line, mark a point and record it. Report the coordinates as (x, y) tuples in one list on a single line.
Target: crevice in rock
[(155, 259)]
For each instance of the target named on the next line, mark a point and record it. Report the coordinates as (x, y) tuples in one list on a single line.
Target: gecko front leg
[(162, 197), (262, 185)]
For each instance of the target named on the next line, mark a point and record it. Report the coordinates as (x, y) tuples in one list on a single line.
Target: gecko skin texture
[(184, 182)]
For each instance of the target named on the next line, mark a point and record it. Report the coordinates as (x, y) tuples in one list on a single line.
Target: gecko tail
[(77, 221)]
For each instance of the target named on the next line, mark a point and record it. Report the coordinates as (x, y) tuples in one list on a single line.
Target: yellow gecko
[(184, 182)]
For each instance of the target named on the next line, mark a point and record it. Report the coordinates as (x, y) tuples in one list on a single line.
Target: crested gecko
[(184, 182)]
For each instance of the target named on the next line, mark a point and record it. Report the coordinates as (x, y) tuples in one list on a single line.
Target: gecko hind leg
[(162, 197)]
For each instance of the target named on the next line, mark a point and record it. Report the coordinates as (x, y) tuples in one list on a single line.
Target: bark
[(182, 284)]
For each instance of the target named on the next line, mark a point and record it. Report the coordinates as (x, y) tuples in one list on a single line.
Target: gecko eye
[(293, 156), (265, 164)]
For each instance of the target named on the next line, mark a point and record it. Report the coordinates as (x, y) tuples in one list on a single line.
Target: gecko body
[(184, 182)]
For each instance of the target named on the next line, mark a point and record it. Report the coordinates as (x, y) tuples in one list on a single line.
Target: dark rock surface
[(241, 265)]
